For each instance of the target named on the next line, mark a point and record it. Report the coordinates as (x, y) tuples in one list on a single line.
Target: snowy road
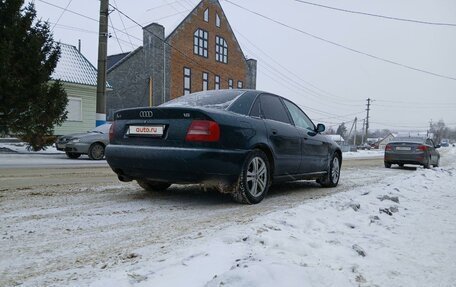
[(74, 226)]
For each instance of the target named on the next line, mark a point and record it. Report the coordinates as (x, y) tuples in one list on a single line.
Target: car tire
[(387, 165), (73, 155), (437, 163), (96, 151), (331, 179), (254, 180), (427, 164), (153, 186)]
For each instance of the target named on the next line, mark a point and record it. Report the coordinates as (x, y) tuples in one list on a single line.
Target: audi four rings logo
[(146, 114)]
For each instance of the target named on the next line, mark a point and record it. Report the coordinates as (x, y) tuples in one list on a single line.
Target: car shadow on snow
[(198, 195)]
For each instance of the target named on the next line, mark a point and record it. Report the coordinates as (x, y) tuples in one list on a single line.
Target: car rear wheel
[(428, 163), (254, 180), (153, 185), (96, 151), (73, 155), (387, 165), (332, 178), (437, 163)]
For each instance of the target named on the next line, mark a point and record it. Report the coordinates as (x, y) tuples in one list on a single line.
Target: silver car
[(412, 150), (92, 143)]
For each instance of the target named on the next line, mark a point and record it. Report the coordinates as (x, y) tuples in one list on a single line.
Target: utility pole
[(367, 118), (356, 127), (362, 134), (102, 55)]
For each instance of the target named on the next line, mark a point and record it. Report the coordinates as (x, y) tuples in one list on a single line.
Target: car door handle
[(274, 132)]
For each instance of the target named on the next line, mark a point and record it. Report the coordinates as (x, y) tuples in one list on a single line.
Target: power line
[(159, 6), (115, 34), (376, 15), (125, 29), (340, 45), (323, 92), (61, 14)]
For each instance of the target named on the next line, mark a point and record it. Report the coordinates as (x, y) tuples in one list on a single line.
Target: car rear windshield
[(408, 139), (207, 99)]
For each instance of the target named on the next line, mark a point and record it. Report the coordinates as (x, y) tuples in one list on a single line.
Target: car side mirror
[(321, 128), (438, 146)]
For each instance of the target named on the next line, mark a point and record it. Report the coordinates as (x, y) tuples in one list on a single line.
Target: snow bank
[(399, 232)]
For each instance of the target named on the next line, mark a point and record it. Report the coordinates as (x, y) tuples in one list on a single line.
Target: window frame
[(188, 90), (217, 82), (221, 50), (240, 84), (205, 81), (218, 20), (285, 110), (201, 36), (230, 84), (80, 119), (310, 128), (206, 15)]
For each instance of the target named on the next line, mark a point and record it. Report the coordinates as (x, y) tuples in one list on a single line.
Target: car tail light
[(389, 147), (111, 132), (422, 148), (203, 131)]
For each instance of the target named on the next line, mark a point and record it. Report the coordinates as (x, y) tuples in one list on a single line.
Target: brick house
[(201, 53)]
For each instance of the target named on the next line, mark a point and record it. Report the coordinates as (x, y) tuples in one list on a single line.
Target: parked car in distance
[(445, 143), (239, 141), (412, 150), (92, 143)]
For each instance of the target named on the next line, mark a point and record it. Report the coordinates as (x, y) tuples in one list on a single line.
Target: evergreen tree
[(31, 103)]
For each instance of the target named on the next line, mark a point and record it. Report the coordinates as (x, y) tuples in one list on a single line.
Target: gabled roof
[(113, 59), (73, 67)]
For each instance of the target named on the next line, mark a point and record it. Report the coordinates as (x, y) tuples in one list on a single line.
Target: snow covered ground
[(399, 232)]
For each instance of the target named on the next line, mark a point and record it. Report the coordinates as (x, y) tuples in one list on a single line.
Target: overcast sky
[(329, 82)]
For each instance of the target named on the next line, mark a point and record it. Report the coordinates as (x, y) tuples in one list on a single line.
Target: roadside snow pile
[(399, 232), (21, 147), (364, 154)]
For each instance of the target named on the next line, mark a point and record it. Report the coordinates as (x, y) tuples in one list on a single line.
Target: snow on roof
[(73, 67)]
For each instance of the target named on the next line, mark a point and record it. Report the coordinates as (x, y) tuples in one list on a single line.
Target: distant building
[(383, 142), (202, 53), (79, 79)]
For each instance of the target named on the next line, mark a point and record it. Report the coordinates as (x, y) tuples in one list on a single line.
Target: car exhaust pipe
[(124, 178)]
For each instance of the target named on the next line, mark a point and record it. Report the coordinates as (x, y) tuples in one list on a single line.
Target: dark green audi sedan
[(239, 141)]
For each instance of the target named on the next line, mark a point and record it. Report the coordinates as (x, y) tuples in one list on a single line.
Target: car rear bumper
[(403, 158), (176, 165)]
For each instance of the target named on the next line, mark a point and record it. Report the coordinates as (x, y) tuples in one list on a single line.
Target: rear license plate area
[(147, 131), (403, 148)]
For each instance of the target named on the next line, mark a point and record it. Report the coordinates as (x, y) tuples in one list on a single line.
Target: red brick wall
[(182, 39)]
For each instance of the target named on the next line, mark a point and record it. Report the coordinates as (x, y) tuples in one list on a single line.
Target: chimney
[(79, 45)]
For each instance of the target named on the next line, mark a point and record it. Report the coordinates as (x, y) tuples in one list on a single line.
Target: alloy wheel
[(257, 176)]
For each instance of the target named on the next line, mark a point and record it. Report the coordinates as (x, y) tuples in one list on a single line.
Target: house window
[(217, 20), (221, 50), (205, 81), (187, 81), (217, 82), (74, 109), (200, 42), (240, 84), (206, 15), (230, 84)]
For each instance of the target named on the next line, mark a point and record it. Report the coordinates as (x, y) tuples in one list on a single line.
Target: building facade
[(202, 53), (79, 79)]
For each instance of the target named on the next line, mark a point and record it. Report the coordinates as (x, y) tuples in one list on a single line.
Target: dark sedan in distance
[(412, 150), (239, 141)]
